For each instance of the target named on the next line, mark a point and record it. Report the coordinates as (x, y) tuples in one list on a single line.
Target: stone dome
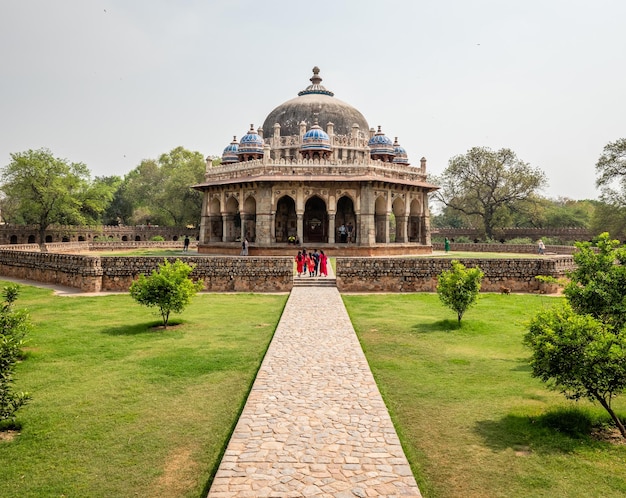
[(315, 102)]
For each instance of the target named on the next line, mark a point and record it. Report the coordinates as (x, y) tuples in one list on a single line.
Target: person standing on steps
[(244, 247), (323, 264)]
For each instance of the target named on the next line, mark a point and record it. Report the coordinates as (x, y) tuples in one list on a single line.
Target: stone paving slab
[(314, 423)]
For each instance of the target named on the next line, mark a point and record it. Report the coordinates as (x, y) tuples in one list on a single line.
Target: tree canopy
[(41, 189), (611, 171), (488, 186)]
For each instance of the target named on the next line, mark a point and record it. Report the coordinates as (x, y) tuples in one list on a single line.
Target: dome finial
[(315, 86)]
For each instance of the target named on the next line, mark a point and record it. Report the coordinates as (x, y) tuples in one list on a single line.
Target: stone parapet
[(110, 273), (420, 274)]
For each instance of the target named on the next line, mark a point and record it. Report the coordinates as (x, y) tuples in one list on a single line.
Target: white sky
[(112, 82)]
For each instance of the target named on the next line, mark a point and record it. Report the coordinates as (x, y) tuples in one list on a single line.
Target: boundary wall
[(515, 248), (116, 273), (420, 274), (97, 273)]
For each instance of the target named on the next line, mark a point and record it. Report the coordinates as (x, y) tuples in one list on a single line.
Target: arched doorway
[(345, 216), (315, 220), (382, 225), (399, 219), (415, 222), (286, 220), (249, 218), (232, 220)]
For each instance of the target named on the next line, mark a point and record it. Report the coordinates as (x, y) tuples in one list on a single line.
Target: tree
[(14, 325), (160, 190), (169, 288), (578, 355), (598, 284), (458, 287), (488, 185), (611, 170), (41, 189), (580, 348)]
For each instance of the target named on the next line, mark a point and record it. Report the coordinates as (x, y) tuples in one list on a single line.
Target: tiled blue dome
[(401, 155), (251, 143), (381, 144), (230, 152), (316, 139)]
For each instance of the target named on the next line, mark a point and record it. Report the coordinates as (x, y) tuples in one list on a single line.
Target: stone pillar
[(331, 228), (366, 222), (226, 220), (205, 224), (242, 228), (300, 226), (402, 228), (264, 215)]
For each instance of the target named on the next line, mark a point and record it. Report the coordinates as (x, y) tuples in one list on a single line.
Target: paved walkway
[(314, 423)]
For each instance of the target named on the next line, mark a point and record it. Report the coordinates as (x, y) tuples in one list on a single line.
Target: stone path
[(314, 423)]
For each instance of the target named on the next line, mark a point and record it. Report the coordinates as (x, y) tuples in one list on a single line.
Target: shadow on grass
[(438, 326), (561, 430), (155, 327)]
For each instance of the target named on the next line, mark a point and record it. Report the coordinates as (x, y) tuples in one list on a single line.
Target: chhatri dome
[(314, 166)]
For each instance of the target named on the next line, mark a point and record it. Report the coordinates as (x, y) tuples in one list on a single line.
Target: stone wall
[(420, 274), (514, 248), (110, 273)]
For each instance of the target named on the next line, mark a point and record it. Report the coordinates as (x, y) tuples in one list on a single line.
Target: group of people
[(314, 263)]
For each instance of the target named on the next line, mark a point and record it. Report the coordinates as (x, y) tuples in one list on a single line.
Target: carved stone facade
[(342, 185)]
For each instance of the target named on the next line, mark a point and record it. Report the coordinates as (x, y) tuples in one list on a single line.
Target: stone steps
[(315, 282)]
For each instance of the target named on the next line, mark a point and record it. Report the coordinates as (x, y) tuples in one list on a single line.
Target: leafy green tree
[(578, 355), (458, 287), (598, 284), (580, 348), (160, 190), (488, 185), (610, 218), (169, 288), (14, 325), (611, 171), (41, 189)]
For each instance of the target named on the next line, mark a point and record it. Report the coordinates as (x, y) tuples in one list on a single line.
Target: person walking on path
[(446, 244), (299, 263), (244, 247), (323, 264), (541, 247), (186, 244)]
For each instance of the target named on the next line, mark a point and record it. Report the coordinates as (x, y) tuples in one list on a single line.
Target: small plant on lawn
[(458, 288), (13, 327), (169, 288), (579, 348)]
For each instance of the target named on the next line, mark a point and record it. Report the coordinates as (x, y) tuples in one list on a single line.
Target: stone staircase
[(314, 282)]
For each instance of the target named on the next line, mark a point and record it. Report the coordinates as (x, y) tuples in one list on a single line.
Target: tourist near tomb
[(316, 173)]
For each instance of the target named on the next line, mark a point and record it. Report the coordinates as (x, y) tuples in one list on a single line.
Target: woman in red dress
[(299, 263), (310, 263), (323, 264)]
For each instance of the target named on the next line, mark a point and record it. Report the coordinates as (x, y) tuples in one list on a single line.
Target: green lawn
[(473, 421), (120, 408)]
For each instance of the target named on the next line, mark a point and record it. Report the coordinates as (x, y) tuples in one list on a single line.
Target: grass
[(473, 421), (123, 408)]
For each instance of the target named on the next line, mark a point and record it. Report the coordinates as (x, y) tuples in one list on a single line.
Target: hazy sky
[(111, 82)]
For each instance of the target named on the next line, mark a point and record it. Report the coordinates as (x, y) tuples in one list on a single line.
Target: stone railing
[(420, 274), (314, 167)]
